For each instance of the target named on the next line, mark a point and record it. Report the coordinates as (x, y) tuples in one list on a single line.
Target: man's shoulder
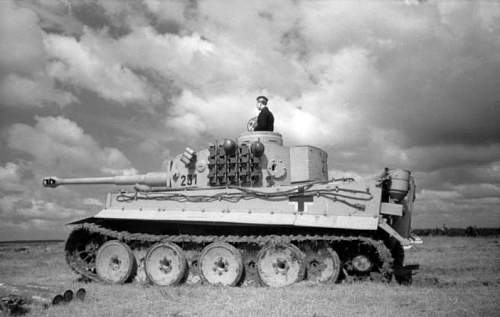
[(265, 109)]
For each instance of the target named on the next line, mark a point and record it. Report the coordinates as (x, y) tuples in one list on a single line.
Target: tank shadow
[(404, 275)]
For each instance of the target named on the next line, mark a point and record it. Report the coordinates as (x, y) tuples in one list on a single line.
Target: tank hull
[(331, 205), (317, 219)]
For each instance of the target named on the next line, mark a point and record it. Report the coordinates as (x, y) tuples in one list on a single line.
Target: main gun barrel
[(150, 179)]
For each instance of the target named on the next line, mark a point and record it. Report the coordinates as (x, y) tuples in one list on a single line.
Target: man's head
[(261, 102)]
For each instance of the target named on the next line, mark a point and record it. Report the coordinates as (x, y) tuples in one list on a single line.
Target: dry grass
[(457, 277)]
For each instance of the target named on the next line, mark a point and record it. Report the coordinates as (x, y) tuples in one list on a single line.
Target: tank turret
[(249, 210)]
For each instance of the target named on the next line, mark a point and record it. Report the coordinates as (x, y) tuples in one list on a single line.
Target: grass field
[(458, 276)]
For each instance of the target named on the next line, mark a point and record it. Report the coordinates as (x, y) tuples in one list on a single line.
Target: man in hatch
[(265, 120)]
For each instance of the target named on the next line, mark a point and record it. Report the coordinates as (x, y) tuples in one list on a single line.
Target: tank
[(245, 211)]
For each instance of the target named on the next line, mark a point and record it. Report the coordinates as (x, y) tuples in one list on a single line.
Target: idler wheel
[(165, 264), (280, 265), (361, 263), (220, 264), (115, 262), (323, 266)]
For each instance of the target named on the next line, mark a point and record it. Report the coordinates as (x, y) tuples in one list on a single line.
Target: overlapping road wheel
[(280, 265), (323, 265), (165, 264), (115, 262), (221, 264)]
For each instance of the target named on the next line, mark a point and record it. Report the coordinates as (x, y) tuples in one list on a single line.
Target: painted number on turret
[(188, 180)]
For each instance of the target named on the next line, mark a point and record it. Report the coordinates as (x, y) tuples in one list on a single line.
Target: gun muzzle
[(51, 182)]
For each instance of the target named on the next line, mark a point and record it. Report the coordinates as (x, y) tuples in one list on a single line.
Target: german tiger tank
[(249, 211)]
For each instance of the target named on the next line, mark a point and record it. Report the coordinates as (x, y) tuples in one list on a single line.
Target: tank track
[(81, 262)]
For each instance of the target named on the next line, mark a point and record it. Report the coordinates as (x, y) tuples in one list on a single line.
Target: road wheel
[(323, 265), (165, 264), (115, 262), (220, 264), (280, 265), (362, 263)]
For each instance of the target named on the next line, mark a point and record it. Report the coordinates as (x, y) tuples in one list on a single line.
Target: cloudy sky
[(91, 88)]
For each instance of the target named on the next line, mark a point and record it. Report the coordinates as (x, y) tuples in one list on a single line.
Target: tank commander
[(265, 120)]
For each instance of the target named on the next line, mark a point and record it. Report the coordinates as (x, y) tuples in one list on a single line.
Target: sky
[(99, 88)]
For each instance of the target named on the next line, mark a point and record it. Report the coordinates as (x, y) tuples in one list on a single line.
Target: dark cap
[(264, 98)]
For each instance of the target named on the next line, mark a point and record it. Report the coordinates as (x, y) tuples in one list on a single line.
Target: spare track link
[(81, 268)]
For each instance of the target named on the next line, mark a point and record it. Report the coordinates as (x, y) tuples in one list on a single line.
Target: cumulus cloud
[(20, 208), (56, 16), (32, 92), (21, 45), (60, 144), (180, 58), (23, 78), (80, 64), (437, 157), (10, 178), (192, 115), (172, 11), (26, 217)]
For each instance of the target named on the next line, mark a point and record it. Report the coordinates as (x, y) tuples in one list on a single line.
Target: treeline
[(455, 232), (30, 241)]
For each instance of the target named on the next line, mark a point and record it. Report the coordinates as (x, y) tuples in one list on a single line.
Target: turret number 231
[(188, 180)]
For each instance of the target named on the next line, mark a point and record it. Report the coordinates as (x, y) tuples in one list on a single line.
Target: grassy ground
[(457, 277)]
